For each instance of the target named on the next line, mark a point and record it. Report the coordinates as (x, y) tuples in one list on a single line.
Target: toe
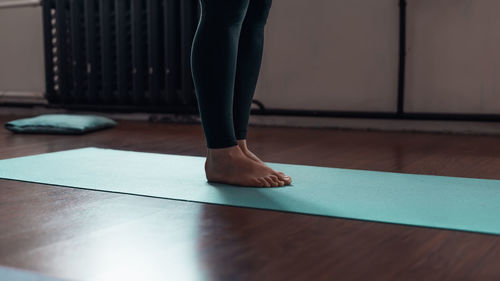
[(280, 182), (277, 180), (270, 181), (284, 177), (274, 180), (264, 182)]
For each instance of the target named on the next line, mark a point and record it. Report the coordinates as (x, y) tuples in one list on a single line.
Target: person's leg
[(250, 50), (213, 65)]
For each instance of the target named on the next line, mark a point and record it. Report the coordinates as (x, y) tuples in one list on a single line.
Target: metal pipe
[(20, 3)]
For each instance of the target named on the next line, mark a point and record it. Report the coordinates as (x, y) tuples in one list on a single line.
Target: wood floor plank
[(91, 235)]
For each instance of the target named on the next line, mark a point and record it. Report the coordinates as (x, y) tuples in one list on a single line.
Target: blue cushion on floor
[(60, 124)]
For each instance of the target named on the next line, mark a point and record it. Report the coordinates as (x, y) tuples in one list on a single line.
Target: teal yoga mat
[(12, 274), (421, 200)]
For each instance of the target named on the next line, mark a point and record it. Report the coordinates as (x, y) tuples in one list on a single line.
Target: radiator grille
[(119, 52)]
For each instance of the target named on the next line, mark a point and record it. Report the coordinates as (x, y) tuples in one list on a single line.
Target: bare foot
[(243, 146), (231, 166)]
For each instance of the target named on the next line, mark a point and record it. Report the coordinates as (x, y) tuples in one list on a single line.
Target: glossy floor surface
[(90, 235)]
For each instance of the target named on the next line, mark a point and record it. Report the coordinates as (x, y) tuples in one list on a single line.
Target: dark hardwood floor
[(91, 235)]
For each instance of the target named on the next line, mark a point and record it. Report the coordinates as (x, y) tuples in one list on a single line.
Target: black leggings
[(226, 56)]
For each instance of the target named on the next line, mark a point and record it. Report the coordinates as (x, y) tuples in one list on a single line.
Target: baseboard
[(432, 126), (22, 97)]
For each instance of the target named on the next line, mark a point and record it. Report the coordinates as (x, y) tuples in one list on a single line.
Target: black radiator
[(120, 53)]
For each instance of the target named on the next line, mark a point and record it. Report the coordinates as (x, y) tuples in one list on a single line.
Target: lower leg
[(213, 65), (250, 51)]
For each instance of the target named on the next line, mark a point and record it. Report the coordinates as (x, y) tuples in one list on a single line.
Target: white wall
[(21, 50), (331, 55), (337, 55), (453, 59)]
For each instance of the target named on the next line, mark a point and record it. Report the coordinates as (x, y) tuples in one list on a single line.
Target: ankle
[(242, 144), (217, 153)]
